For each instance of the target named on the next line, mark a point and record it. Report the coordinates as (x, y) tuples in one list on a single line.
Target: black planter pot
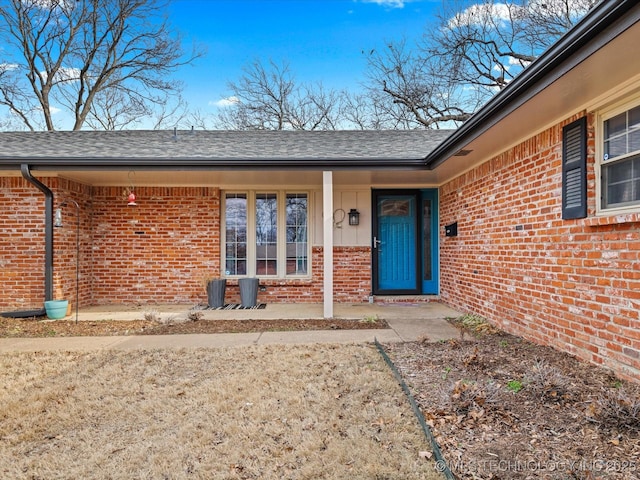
[(215, 292)]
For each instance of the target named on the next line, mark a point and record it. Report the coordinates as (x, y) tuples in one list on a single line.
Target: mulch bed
[(503, 408), (40, 327)]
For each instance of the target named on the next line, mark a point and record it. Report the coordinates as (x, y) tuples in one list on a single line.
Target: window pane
[(622, 134), (236, 233), (615, 126), (634, 118), (621, 178), (622, 182), (266, 234), (426, 239), (297, 247), (634, 140), (615, 147)]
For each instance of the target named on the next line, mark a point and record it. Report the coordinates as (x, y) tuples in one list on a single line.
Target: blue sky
[(322, 40)]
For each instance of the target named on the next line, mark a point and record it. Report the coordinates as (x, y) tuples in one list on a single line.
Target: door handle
[(376, 242)]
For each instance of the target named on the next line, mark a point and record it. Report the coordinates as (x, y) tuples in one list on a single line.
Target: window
[(266, 234), (236, 233), (620, 158), (297, 244)]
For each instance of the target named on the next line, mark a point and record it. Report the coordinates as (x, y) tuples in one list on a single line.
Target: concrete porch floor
[(345, 311)]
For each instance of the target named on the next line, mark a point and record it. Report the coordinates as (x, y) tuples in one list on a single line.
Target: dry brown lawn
[(268, 412)]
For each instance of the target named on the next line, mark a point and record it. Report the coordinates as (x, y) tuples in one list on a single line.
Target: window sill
[(275, 281), (613, 219)]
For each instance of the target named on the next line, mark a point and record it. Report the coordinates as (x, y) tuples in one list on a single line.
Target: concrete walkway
[(408, 322)]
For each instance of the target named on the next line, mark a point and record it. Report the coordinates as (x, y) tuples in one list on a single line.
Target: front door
[(404, 242)]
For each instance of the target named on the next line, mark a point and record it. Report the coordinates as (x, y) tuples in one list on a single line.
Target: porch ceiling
[(241, 178)]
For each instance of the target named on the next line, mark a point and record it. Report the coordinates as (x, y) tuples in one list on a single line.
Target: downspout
[(48, 244)]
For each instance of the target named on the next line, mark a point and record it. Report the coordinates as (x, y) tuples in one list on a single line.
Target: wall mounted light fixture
[(354, 217)]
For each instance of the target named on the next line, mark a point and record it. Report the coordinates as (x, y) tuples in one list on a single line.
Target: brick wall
[(570, 284), (352, 274), (21, 245), (351, 280), (158, 251)]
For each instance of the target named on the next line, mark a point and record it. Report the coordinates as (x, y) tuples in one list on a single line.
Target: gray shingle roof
[(208, 147)]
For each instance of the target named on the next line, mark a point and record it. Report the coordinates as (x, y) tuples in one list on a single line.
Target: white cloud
[(225, 102), (68, 74), (510, 63), (559, 8), (520, 63), (65, 74), (7, 67), (479, 12), (388, 3), (51, 4)]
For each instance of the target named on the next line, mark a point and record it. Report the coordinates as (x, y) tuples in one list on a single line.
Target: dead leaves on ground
[(566, 419)]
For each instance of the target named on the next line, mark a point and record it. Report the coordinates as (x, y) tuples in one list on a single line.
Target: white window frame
[(619, 107), (251, 233)]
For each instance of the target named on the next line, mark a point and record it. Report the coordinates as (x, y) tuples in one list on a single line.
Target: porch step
[(400, 299)]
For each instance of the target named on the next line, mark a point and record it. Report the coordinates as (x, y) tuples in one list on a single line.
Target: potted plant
[(215, 288), (56, 309)]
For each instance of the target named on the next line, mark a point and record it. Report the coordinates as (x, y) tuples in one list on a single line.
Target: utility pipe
[(48, 244)]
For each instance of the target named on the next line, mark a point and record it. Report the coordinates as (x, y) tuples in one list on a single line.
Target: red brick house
[(529, 214), (210, 203)]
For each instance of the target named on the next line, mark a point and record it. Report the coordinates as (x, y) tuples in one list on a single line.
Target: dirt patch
[(257, 412), (504, 408), (33, 327)]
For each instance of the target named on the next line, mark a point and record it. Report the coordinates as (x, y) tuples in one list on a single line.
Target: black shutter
[(574, 169)]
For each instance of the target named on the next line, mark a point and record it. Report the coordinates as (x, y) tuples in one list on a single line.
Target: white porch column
[(327, 244)]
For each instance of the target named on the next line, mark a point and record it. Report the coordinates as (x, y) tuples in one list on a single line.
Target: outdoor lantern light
[(131, 198), (354, 217), (57, 218)]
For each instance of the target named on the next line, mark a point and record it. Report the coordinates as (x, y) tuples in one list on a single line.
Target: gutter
[(226, 163), (48, 239), (553, 63)]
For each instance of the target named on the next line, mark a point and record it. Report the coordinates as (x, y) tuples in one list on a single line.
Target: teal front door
[(404, 242)]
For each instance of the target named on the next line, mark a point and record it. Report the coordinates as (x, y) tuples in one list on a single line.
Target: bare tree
[(267, 97), (195, 119), (261, 98), (315, 108), (417, 93), (468, 55), (105, 62), (111, 109), (547, 20)]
